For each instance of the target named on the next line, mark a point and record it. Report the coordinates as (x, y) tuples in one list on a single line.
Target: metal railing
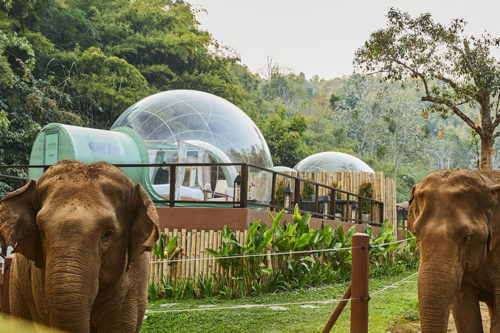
[(337, 204)]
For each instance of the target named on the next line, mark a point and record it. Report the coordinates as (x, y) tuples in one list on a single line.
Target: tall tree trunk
[(486, 147)]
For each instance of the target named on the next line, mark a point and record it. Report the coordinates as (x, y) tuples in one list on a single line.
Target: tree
[(456, 70), (284, 135), (361, 108), (101, 86), (403, 134)]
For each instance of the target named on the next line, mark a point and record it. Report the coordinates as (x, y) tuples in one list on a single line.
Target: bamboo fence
[(192, 260)]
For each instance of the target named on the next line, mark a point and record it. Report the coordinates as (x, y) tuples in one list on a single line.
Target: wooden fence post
[(338, 310), (5, 287), (359, 282), (173, 180), (244, 186)]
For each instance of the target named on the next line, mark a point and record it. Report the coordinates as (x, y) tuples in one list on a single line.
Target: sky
[(319, 37)]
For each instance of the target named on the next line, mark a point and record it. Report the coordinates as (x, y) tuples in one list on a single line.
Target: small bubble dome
[(332, 162), (187, 126)]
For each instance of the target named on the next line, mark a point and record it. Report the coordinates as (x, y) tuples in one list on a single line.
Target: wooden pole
[(333, 200), (360, 209), (296, 194), (359, 283), (316, 199), (172, 186), (244, 186), (338, 310), (273, 190), (5, 285)]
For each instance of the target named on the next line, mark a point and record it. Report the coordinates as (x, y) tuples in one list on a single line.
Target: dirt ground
[(414, 326), (484, 315)]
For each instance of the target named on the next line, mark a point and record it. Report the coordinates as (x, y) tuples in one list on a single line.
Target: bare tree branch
[(420, 75), (449, 81), (455, 110)]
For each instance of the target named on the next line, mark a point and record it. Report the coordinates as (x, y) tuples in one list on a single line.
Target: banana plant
[(166, 248)]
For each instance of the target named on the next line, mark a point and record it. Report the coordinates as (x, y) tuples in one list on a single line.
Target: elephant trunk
[(71, 287), (438, 282)]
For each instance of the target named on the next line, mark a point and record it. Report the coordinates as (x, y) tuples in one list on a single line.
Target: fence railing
[(252, 186)]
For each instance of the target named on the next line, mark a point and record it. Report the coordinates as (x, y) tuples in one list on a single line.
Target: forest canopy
[(84, 62)]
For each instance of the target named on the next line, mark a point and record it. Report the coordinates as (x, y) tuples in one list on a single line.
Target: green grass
[(387, 309)]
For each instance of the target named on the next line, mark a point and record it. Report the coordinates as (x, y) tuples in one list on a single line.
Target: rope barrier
[(13, 177), (385, 244), (250, 306), (272, 253), (393, 285), (253, 255)]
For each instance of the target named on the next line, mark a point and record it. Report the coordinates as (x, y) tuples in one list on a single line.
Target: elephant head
[(451, 213), (83, 225)]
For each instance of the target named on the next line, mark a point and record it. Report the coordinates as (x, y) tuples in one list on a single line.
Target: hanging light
[(476, 121), (426, 115), (440, 133)]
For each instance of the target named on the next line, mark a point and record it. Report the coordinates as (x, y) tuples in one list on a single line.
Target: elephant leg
[(466, 311), (494, 319), (17, 306)]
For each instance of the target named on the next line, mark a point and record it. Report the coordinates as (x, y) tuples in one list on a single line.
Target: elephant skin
[(455, 216), (82, 235)]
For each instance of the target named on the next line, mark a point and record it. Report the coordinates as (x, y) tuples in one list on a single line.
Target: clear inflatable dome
[(332, 162), (187, 126), (284, 169)]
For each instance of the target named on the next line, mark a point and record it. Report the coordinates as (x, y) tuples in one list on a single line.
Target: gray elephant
[(81, 236)]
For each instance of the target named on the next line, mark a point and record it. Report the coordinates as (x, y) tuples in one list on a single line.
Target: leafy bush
[(366, 191), (289, 270), (279, 196), (307, 192)]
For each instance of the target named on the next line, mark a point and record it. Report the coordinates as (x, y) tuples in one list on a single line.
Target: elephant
[(82, 234), (455, 217)]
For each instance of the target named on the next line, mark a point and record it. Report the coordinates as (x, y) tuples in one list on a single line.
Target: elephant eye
[(107, 235), (468, 237)]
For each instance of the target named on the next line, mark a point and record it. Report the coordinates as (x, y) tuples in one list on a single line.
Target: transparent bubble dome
[(187, 126), (197, 119), (332, 162)]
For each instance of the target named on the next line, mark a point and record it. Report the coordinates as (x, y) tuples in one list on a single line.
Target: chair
[(207, 191)]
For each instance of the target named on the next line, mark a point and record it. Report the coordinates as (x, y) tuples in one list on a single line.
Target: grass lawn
[(394, 309)]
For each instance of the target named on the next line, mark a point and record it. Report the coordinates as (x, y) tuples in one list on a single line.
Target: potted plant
[(338, 208), (279, 196), (307, 192), (366, 191)]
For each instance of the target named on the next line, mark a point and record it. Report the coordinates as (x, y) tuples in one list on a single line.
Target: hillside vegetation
[(84, 62)]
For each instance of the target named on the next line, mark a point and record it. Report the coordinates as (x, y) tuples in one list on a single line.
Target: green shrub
[(307, 192), (257, 274), (366, 190)]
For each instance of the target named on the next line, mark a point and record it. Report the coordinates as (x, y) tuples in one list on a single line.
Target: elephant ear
[(144, 230), (494, 227), (18, 223), (412, 214)]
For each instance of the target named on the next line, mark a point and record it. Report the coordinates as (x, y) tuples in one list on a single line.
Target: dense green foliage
[(252, 272), (83, 62)]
